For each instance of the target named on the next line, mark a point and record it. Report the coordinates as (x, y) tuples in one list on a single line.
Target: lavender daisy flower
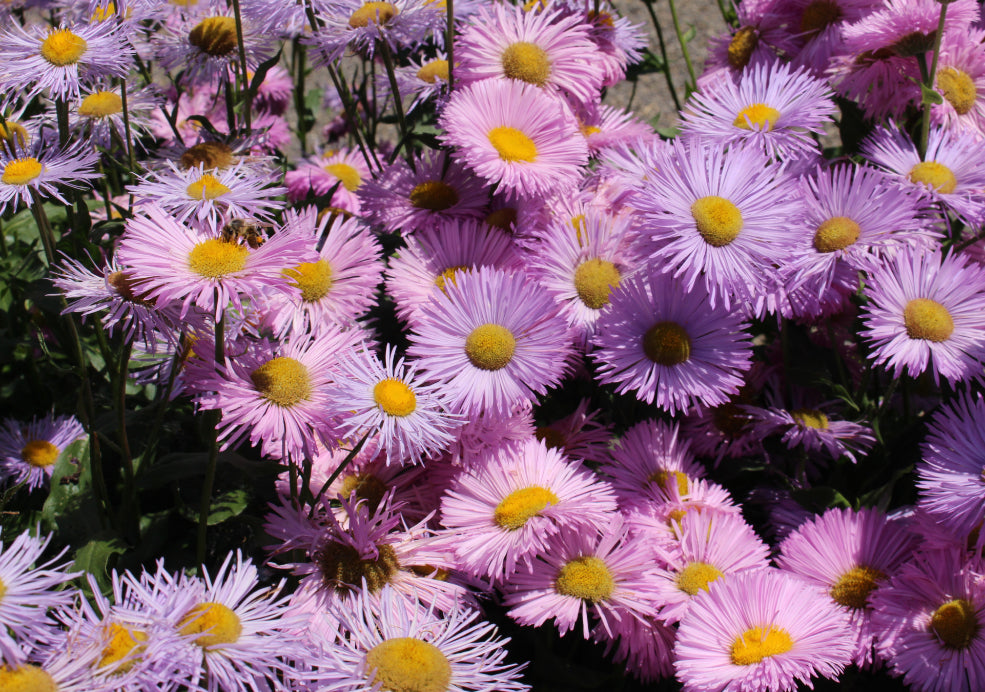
[(706, 547), (848, 554), (760, 630), (391, 399), (515, 136), (607, 572), (949, 476), (506, 509), (493, 339), (343, 171), (771, 107), (29, 452), (60, 60), (960, 80), (29, 590), (424, 79), (925, 312), (198, 267), (950, 173), (670, 345), (930, 622), (715, 217), (56, 666), (548, 49), (384, 644), (605, 127), (358, 25), (98, 114), (235, 192), (40, 169)]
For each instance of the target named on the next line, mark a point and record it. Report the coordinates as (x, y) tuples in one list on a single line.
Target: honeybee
[(247, 231)]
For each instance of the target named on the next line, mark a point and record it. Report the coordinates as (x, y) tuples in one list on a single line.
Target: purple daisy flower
[(706, 547), (494, 339), (925, 312), (960, 80), (407, 413), (949, 477), (608, 573), (771, 107), (847, 554), (198, 267), (760, 631), (506, 509), (358, 25), (40, 168), (382, 643), (29, 452), (29, 590), (951, 172), (716, 217), (548, 49), (515, 136), (817, 27), (670, 345), (930, 622)]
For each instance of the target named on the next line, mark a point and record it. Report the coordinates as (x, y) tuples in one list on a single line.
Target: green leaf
[(228, 505), (261, 72), (95, 555), (929, 96), (690, 34)]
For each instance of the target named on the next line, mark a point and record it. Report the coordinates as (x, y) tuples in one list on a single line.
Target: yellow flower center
[(62, 48), (717, 219), (13, 135), (521, 505), (406, 664), (215, 36), (313, 278), (215, 623), (587, 578), (664, 479), (527, 62), (283, 381), (934, 175), (755, 644), (503, 219), (395, 397), (927, 319), (373, 13), (449, 274), (697, 576), (741, 46), (955, 623), (366, 486), (594, 281), (512, 145), (26, 678), (215, 258), (39, 453), (99, 104), (836, 233), (853, 587), (207, 155), (342, 567), (21, 171), (207, 187), (958, 88), (434, 70), (810, 418), (121, 643), (666, 343), (818, 15), (347, 174), (433, 195), (490, 347), (758, 116)]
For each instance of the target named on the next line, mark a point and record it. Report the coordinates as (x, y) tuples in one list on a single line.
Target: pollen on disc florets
[(351, 180), (433, 70), (39, 453), (207, 187), (757, 643), (810, 418), (717, 219), (313, 278), (955, 623), (696, 577), (62, 47), (215, 258), (408, 664), (586, 577), (854, 586), (101, 104), (215, 36), (927, 319), (395, 397), (757, 116), (122, 644), (958, 88), (836, 233), (283, 381), (21, 171), (517, 508), (490, 346), (373, 13), (26, 677), (594, 280), (512, 145), (214, 623), (526, 62), (342, 567), (934, 175)]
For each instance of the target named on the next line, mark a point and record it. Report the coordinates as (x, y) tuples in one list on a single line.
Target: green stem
[(928, 82), (680, 39), (128, 133), (131, 520), (215, 418), (397, 101), (338, 471), (248, 101), (300, 108), (150, 449), (352, 118), (450, 42), (663, 55)]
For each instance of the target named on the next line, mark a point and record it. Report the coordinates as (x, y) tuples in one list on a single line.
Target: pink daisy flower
[(42, 168), (760, 630), (817, 27), (506, 509), (772, 107), (607, 573), (342, 171), (174, 262), (670, 345), (706, 547), (930, 622), (547, 49), (960, 80), (515, 136), (29, 452), (847, 554), (605, 127), (925, 311), (493, 339)]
